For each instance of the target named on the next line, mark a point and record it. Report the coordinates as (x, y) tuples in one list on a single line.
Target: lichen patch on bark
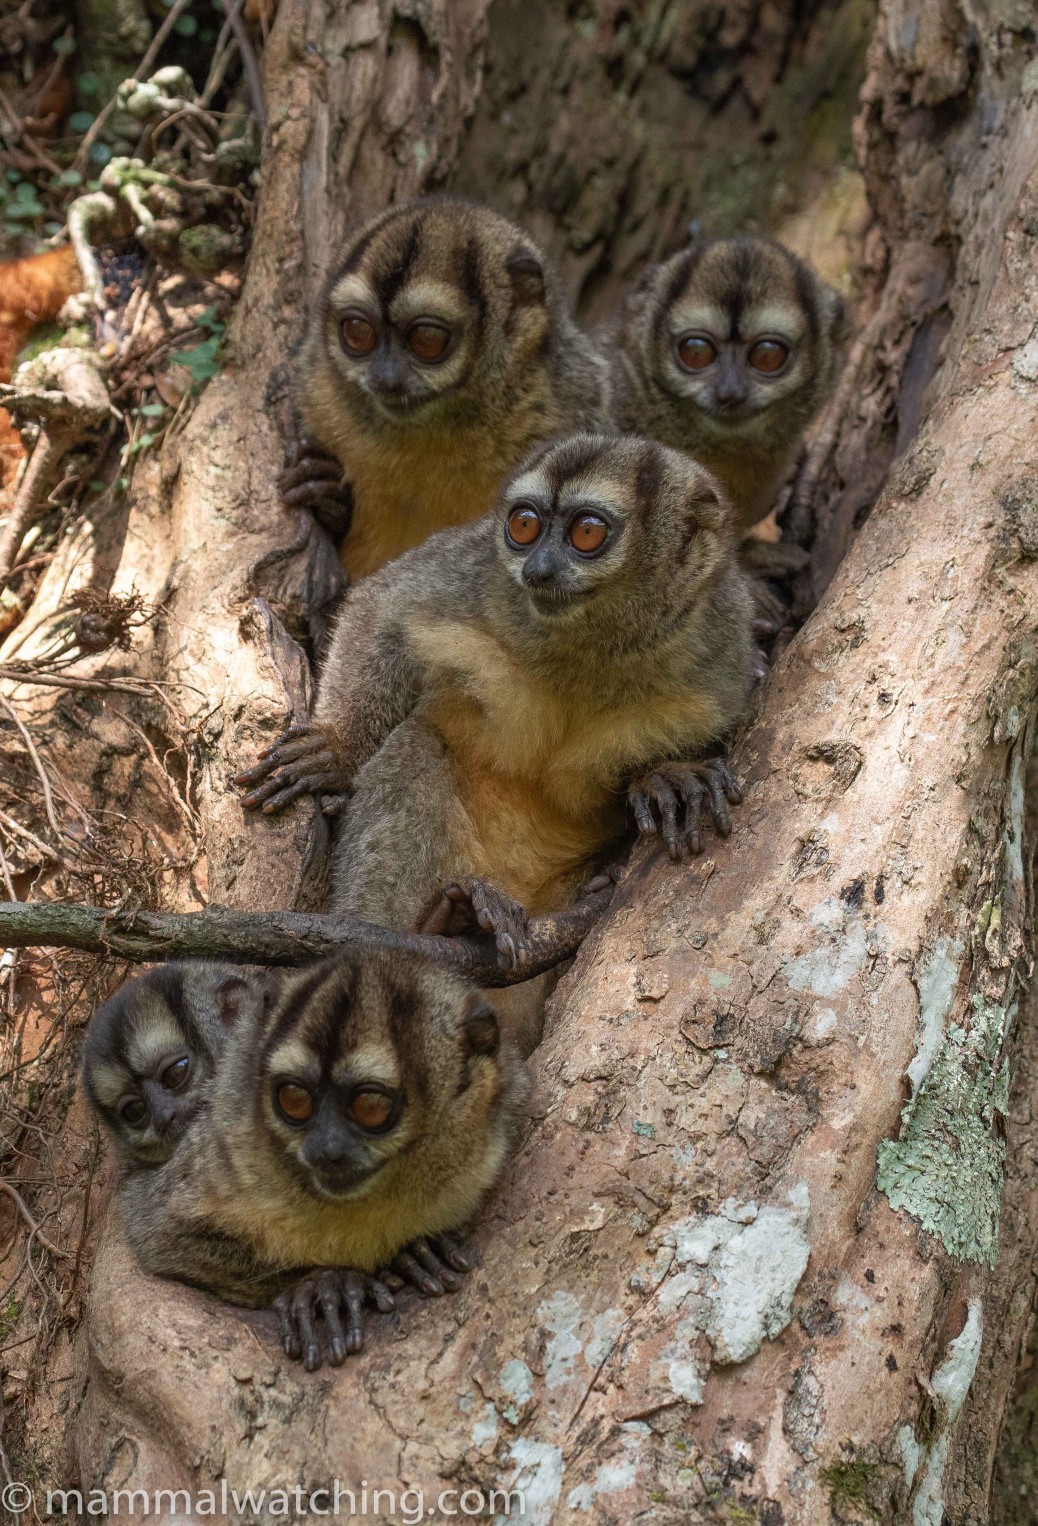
[(946, 1169)]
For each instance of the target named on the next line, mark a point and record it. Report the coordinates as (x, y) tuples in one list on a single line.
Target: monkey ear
[(706, 505), (230, 994), (479, 1026), (835, 311), (527, 276)]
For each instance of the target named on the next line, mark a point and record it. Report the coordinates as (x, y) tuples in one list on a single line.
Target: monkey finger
[(732, 787), (392, 1280), (309, 469), (667, 801), (378, 1292), (304, 1313), (436, 922), (333, 805), (353, 1291), (424, 1253), (289, 1330), (718, 806), (454, 1254), (643, 815), (409, 1268), (506, 948), (291, 791)]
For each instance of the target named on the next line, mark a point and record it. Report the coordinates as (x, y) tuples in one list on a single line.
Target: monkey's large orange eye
[(372, 1110), (358, 333), (768, 355), (428, 341), (295, 1101), (696, 353), (524, 525), (588, 533)]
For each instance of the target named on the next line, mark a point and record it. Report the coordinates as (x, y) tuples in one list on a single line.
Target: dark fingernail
[(338, 1354)]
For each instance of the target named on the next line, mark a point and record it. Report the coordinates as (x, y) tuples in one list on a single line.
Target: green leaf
[(97, 486), (70, 177), (88, 83), (64, 45), (200, 361), (121, 484), (13, 176), (186, 26), (80, 121), (153, 410), (26, 192), (24, 210), (99, 153)]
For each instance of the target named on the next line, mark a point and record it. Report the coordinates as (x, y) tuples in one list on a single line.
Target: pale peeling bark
[(698, 1299)]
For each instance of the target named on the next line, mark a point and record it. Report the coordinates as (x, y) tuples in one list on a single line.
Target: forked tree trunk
[(748, 1264)]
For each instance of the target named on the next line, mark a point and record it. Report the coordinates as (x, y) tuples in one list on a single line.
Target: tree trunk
[(751, 1262)]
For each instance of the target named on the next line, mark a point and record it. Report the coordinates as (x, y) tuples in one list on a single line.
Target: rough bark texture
[(698, 1299)]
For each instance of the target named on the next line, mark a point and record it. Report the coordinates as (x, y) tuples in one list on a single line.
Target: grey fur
[(752, 448), (236, 1209), (178, 1012)]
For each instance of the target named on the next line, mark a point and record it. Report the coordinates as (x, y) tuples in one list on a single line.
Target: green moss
[(9, 1317), (851, 1482), (946, 1168)]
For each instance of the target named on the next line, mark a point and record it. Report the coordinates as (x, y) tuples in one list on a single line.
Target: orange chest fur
[(542, 773)]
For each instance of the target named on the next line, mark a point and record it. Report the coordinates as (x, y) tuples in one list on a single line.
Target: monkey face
[(746, 327), (340, 1130), (148, 1084), (151, 1052), (581, 515), (428, 303)]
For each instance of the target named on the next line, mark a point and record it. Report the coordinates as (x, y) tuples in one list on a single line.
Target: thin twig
[(36, 1232), (250, 66), (48, 798), (283, 937)]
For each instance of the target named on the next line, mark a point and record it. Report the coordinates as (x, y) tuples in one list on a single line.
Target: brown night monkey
[(440, 351), (492, 701), (357, 1119), (728, 350)]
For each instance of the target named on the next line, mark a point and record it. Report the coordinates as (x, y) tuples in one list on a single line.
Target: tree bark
[(748, 1263)]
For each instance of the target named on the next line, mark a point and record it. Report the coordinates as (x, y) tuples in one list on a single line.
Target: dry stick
[(36, 1231), (47, 454), (250, 66), (283, 937), (37, 761), (90, 136)]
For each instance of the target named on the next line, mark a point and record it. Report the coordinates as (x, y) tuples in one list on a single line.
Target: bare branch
[(281, 937)]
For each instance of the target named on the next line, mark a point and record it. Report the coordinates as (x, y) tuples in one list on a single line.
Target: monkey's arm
[(370, 683)]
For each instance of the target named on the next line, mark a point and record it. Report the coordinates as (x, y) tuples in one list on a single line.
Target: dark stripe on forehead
[(807, 295), (392, 271), (470, 281), (302, 999), (680, 275), (168, 984), (571, 459), (648, 479)]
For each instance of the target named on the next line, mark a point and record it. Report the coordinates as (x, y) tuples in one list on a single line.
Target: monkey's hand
[(305, 760), (471, 902), (335, 1297), (432, 1265), (313, 480), (678, 792)]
